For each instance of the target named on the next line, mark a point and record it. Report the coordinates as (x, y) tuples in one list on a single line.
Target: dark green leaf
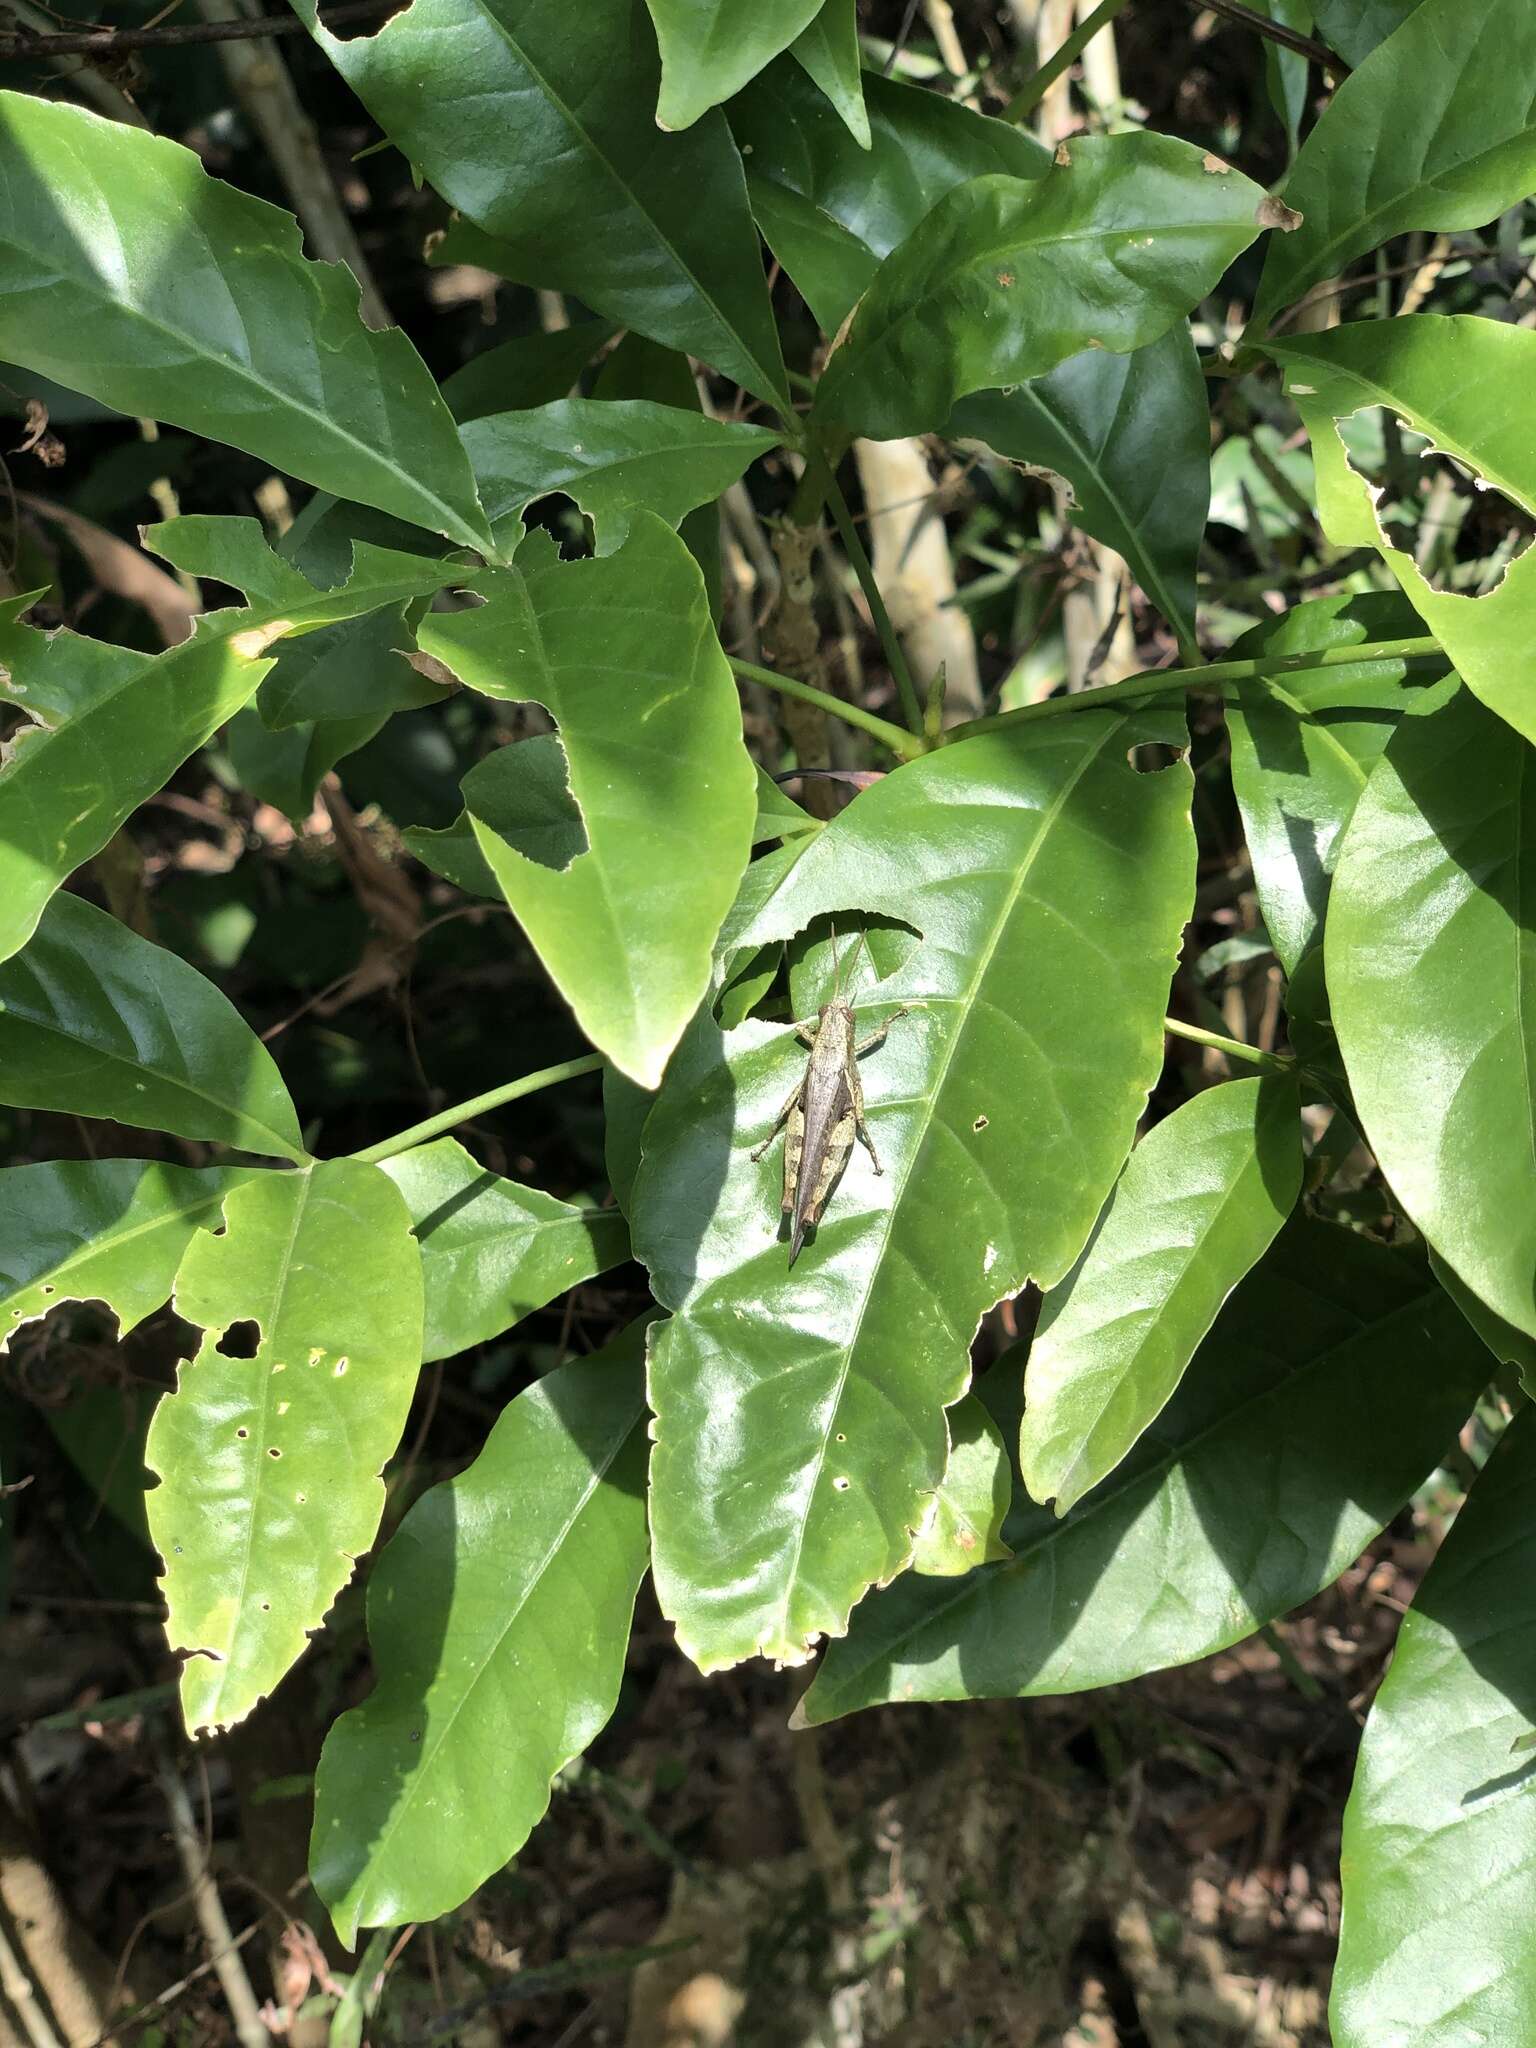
[(1131, 435), (1355, 27), (613, 458), (647, 229), (1198, 1205), (799, 1414), (1439, 1852), (1436, 130), (97, 1021), (829, 51), (354, 670), (830, 209), (1005, 277), (498, 1619), (108, 1230), (531, 369), (269, 1466), (1302, 747), (1330, 1385), (129, 274), (622, 652), (492, 1251), (285, 769)]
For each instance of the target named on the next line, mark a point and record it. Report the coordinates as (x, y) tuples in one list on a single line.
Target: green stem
[(1168, 682), (896, 661), (477, 1105), (1234, 1048), (1034, 89), (905, 744)]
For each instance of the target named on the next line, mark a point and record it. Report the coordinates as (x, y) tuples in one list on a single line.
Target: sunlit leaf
[(493, 1251), (1199, 1203), (269, 1464), (1006, 277), (622, 879), (799, 1426), (1329, 1387), (964, 1528), (498, 1619), (129, 274), (1439, 1851)]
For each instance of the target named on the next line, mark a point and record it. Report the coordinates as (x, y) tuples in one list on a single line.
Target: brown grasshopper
[(825, 1109)]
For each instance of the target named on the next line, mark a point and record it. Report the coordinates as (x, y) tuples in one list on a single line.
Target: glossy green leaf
[(964, 1527), (711, 48), (622, 652), (829, 209), (1439, 1851), (1436, 130), (828, 51), (1287, 73), (1430, 963), (493, 1251), (1302, 747), (498, 1619), (354, 670), (1507, 1344), (1131, 435), (799, 1426), (1006, 277), (651, 230), (1197, 1206), (778, 815), (529, 370), (97, 1021), (131, 275), (269, 1465), (1331, 1384), (109, 726), (1460, 381), (1355, 27), (613, 458), (108, 1230)]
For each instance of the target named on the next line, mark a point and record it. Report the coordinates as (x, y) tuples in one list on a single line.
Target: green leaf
[(131, 275), (109, 726), (454, 852), (493, 1251), (778, 815), (529, 370), (1198, 1205), (285, 769), (1287, 73), (622, 652), (964, 1528), (799, 1426), (1508, 1345), (269, 1465), (96, 1021), (651, 230), (498, 1619), (711, 48), (1430, 965), (1330, 1385), (613, 458), (828, 51), (1005, 277), (1439, 1850), (1436, 130), (1131, 434), (1355, 27), (1302, 747), (355, 670), (108, 1230), (829, 209), (1460, 381)]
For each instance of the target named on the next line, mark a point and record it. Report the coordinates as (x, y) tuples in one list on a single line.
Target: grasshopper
[(824, 1109)]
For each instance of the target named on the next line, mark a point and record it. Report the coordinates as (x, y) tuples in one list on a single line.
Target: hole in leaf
[(849, 952), (1461, 532), (273, 1451), (980, 1124), (240, 1340), (357, 31), (242, 1433), (1151, 757), (840, 1485), (522, 792)]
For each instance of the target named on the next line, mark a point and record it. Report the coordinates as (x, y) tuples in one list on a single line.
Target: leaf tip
[(1274, 213)]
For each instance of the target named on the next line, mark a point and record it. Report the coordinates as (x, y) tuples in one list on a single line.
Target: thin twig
[(209, 1907), (109, 42), (1277, 32), (174, 1991)]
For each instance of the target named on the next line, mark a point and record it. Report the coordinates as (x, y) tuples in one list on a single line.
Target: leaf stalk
[(477, 1105)]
